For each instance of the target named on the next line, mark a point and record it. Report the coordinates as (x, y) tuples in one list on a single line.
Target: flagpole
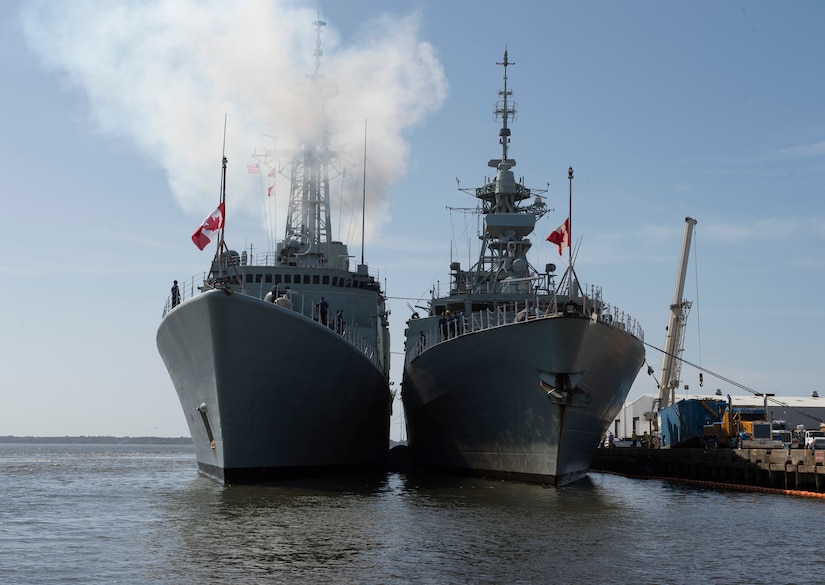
[(222, 199), (364, 195), (570, 231)]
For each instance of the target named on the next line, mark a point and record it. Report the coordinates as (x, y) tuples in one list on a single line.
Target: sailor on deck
[(175, 294), (323, 312), (339, 321), (444, 324)]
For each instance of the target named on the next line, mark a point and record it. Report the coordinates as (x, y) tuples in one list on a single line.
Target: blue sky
[(111, 158)]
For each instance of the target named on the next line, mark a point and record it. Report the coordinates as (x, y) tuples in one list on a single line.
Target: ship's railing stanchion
[(507, 314)]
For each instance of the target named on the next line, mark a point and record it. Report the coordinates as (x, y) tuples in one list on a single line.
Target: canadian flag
[(207, 230), (561, 235)]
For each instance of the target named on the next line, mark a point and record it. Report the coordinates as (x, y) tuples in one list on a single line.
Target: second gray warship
[(508, 374)]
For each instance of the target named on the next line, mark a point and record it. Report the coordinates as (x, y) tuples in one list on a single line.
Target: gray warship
[(509, 374), (281, 360)]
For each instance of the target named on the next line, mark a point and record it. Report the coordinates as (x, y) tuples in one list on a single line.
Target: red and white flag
[(252, 169), (209, 228), (561, 235)]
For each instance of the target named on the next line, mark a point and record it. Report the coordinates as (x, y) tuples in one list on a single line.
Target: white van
[(815, 439)]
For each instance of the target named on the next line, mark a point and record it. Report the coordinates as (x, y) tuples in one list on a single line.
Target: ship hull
[(527, 401), (269, 393)]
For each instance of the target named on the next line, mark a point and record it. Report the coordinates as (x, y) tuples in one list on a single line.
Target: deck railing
[(515, 313), (195, 284)]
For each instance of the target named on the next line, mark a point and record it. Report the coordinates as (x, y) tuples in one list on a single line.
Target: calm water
[(142, 514)]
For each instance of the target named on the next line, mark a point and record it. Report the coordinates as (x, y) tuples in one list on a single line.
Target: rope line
[(737, 384)]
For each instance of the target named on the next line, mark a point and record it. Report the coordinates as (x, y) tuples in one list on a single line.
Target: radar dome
[(520, 266)]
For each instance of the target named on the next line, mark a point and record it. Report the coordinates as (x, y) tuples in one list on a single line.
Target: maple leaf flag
[(209, 228), (252, 169), (561, 235)]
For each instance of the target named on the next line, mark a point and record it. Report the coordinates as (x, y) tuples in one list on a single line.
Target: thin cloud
[(817, 225), (817, 149), (758, 230)]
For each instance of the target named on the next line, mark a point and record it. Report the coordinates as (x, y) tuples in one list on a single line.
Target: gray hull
[(269, 393), (527, 401)]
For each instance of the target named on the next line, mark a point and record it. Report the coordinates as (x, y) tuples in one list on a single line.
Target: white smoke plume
[(165, 72)]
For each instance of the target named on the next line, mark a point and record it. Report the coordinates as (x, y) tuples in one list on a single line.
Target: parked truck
[(737, 425), (814, 439)]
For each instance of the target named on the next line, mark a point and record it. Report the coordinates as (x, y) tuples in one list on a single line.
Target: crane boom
[(674, 344)]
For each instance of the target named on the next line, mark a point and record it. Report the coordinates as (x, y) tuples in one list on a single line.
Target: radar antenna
[(319, 52), (504, 110)]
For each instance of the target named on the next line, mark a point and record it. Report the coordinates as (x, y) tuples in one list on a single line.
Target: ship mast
[(505, 112), (502, 260), (308, 224)]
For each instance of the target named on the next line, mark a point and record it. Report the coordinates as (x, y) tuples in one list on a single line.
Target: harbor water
[(141, 514)]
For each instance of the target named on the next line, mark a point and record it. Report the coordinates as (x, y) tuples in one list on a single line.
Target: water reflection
[(374, 529), (412, 528), (144, 515)]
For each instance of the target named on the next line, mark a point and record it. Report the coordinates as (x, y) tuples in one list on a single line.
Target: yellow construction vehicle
[(737, 425)]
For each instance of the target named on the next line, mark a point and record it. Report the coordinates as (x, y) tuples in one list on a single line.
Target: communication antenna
[(505, 111), (364, 195)]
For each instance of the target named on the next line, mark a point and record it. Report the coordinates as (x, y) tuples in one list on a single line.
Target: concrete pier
[(798, 470)]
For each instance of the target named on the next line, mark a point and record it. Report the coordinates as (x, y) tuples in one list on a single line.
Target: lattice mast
[(308, 225)]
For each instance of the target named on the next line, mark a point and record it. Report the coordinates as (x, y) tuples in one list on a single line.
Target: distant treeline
[(83, 440)]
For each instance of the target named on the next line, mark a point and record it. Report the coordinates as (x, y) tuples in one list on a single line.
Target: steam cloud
[(164, 73)]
